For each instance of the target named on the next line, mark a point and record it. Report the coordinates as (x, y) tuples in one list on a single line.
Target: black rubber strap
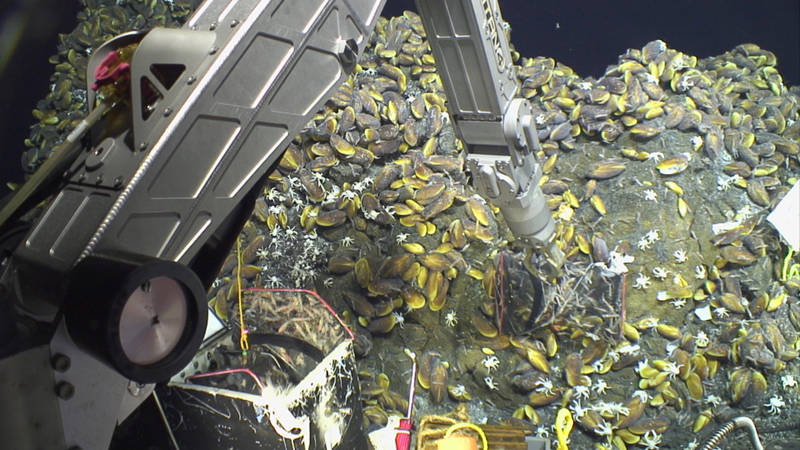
[(284, 341)]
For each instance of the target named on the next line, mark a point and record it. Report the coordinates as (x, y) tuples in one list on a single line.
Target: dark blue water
[(589, 35)]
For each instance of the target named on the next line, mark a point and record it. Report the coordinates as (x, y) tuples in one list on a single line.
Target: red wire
[(229, 371), (250, 372)]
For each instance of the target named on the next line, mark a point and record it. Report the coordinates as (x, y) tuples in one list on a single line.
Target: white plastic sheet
[(786, 217)]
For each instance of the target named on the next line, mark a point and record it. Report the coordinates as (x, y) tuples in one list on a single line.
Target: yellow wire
[(471, 426), (243, 343), (563, 427)]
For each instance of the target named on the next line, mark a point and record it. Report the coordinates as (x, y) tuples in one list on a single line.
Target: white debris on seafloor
[(721, 227), (617, 263), (703, 313)]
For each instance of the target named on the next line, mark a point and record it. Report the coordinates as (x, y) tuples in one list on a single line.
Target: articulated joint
[(512, 183)]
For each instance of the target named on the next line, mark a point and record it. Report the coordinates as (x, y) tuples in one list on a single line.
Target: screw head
[(65, 390), (60, 362)]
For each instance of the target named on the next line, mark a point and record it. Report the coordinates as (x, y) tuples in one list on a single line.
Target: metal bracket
[(90, 395)]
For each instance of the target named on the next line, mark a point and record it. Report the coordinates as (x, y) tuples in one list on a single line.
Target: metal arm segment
[(213, 106), (469, 43)]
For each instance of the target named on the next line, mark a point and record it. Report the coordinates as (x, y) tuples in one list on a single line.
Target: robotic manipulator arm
[(103, 294), (472, 55)]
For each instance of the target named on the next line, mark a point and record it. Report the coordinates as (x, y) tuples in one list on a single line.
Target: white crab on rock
[(788, 381), (660, 273), (491, 363), (604, 429), (450, 318), (652, 235), (672, 369), (274, 282), (700, 272), (714, 400), (650, 440), (600, 386), (680, 256), (651, 195), (679, 303), (721, 312), (642, 281), (545, 386), (701, 339), (578, 410), (399, 320), (775, 405), (459, 390), (581, 391)]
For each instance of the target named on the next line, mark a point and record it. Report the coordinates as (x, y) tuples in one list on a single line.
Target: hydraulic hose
[(738, 422)]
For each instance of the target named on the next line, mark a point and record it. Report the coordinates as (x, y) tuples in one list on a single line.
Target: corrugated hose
[(738, 422)]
